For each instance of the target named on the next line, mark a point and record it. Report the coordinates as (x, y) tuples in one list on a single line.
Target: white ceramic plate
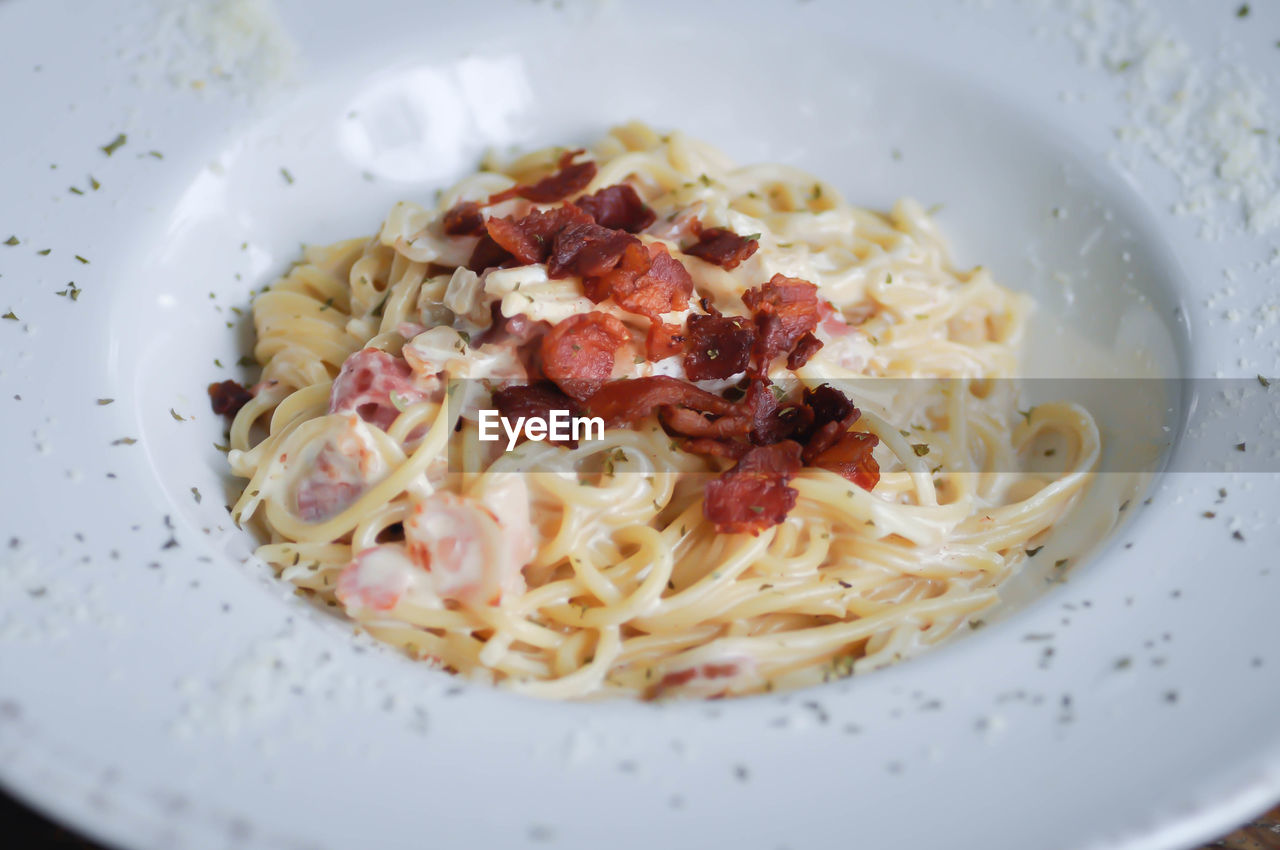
[(160, 689)]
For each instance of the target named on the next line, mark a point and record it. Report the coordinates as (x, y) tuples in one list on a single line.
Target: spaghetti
[(763, 510)]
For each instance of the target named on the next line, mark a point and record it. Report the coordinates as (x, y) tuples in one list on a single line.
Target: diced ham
[(367, 383)]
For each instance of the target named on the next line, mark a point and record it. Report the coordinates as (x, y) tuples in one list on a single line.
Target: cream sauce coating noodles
[(578, 571)]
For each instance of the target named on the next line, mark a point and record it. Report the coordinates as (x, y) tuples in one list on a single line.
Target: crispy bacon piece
[(833, 415), (578, 353), (663, 340), (754, 495), (530, 238), (586, 249), (719, 346), (771, 420), (691, 423), (807, 346), (366, 382), (618, 207), (662, 285), (228, 397), (535, 400), (633, 263), (464, 219), (851, 457), (628, 401), (716, 448), (785, 309), (828, 404), (723, 247), (487, 254), (571, 179)]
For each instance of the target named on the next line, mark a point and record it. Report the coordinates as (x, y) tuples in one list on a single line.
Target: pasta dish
[(640, 421)]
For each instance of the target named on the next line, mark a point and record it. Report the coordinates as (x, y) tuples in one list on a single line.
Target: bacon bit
[(487, 254), (228, 397), (618, 207), (722, 247), (464, 219), (662, 285), (785, 308), (530, 239), (829, 405), (571, 179), (366, 382), (691, 423), (754, 495), (663, 341), (716, 448), (719, 346), (772, 421), (720, 671), (807, 346), (628, 401), (587, 250), (535, 400), (634, 262), (851, 457), (578, 353)]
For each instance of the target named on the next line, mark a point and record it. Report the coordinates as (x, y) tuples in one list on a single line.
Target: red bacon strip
[(628, 401), (578, 353), (535, 400), (464, 219), (719, 346), (785, 309), (851, 457), (571, 179), (228, 397), (618, 207), (754, 495), (722, 247)]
